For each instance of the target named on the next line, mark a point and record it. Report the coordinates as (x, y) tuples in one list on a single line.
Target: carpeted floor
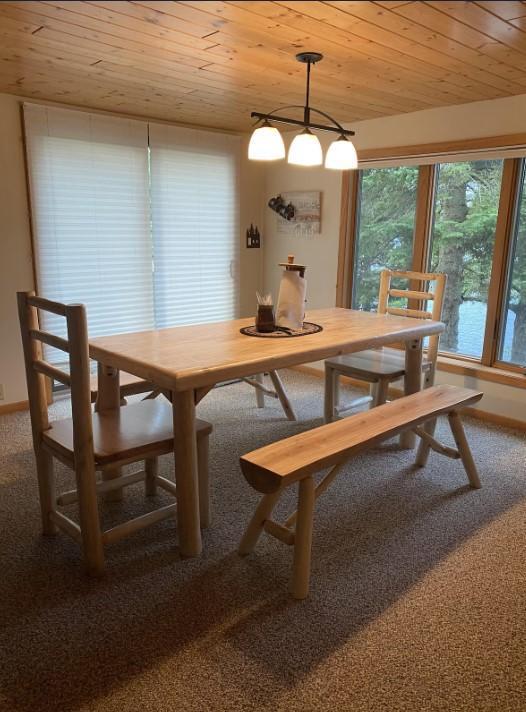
[(418, 596)]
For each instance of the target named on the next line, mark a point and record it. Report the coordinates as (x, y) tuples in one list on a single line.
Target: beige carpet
[(418, 595)]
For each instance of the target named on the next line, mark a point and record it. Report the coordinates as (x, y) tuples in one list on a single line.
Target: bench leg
[(303, 539), (465, 453), (255, 527), (203, 481), (151, 469), (422, 454), (282, 396)]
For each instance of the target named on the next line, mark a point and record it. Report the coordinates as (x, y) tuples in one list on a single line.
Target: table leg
[(109, 397), (412, 382), (185, 449)]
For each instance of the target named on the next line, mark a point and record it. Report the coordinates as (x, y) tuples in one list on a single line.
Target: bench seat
[(273, 468)]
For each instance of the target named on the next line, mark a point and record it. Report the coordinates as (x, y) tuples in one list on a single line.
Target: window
[(462, 242), (122, 226), (513, 333), (466, 217), (385, 229)]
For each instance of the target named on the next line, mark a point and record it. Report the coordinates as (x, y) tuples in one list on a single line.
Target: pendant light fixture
[(266, 143)]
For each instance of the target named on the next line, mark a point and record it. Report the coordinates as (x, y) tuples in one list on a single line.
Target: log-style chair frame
[(273, 468), (49, 441), (383, 366)]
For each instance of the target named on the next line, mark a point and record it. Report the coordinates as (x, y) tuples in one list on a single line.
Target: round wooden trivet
[(308, 328)]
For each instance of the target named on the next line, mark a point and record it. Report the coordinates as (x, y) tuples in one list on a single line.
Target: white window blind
[(91, 217), (194, 200), (144, 232)]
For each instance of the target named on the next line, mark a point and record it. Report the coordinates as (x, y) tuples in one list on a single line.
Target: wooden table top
[(184, 357)]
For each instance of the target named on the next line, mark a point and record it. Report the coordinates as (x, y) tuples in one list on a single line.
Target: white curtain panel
[(142, 229), (91, 217), (195, 224)]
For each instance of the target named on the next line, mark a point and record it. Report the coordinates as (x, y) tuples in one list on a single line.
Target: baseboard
[(496, 419), (477, 413), (14, 407)]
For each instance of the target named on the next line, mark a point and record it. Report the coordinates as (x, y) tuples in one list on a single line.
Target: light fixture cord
[(306, 112)]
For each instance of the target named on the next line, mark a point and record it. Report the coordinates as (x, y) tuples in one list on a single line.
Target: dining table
[(189, 360)]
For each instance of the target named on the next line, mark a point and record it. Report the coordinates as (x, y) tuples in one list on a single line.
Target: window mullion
[(510, 188), (424, 217), (350, 205), (423, 222)]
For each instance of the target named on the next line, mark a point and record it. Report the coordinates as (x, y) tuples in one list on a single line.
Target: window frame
[(512, 171)]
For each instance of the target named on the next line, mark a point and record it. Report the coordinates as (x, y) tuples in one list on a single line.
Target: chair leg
[(111, 473), (46, 490), (380, 395), (203, 480), (465, 453), (255, 527), (283, 398), (260, 396), (331, 394), (151, 469), (303, 539), (89, 519)]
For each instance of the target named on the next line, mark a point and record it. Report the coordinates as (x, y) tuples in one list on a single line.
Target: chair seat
[(384, 362), (140, 429)]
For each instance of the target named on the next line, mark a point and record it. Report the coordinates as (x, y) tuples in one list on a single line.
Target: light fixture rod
[(306, 124), (306, 112)]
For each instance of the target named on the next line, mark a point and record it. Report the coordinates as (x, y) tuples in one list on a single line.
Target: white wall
[(16, 272), (320, 253)]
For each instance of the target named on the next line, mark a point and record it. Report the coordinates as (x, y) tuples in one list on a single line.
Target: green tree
[(466, 206), (385, 230), (517, 285)]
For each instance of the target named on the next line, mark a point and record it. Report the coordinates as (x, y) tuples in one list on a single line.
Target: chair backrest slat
[(55, 373), (410, 294), (415, 313), (37, 368), (417, 295), (50, 339), (46, 305)]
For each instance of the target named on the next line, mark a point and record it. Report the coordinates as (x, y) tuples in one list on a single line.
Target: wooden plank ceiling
[(212, 63)]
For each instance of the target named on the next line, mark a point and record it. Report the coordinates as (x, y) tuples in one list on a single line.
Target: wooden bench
[(273, 468)]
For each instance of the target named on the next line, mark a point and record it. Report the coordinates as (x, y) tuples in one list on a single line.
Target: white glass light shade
[(266, 144), (305, 150), (341, 155)]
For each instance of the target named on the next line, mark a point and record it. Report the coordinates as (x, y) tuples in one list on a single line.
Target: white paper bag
[(290, 309)]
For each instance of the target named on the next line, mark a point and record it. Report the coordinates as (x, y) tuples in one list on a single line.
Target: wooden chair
[(90, 442), (380, 367), (273, 468)]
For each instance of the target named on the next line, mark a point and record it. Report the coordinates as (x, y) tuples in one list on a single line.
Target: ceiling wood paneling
[(211, 63)]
